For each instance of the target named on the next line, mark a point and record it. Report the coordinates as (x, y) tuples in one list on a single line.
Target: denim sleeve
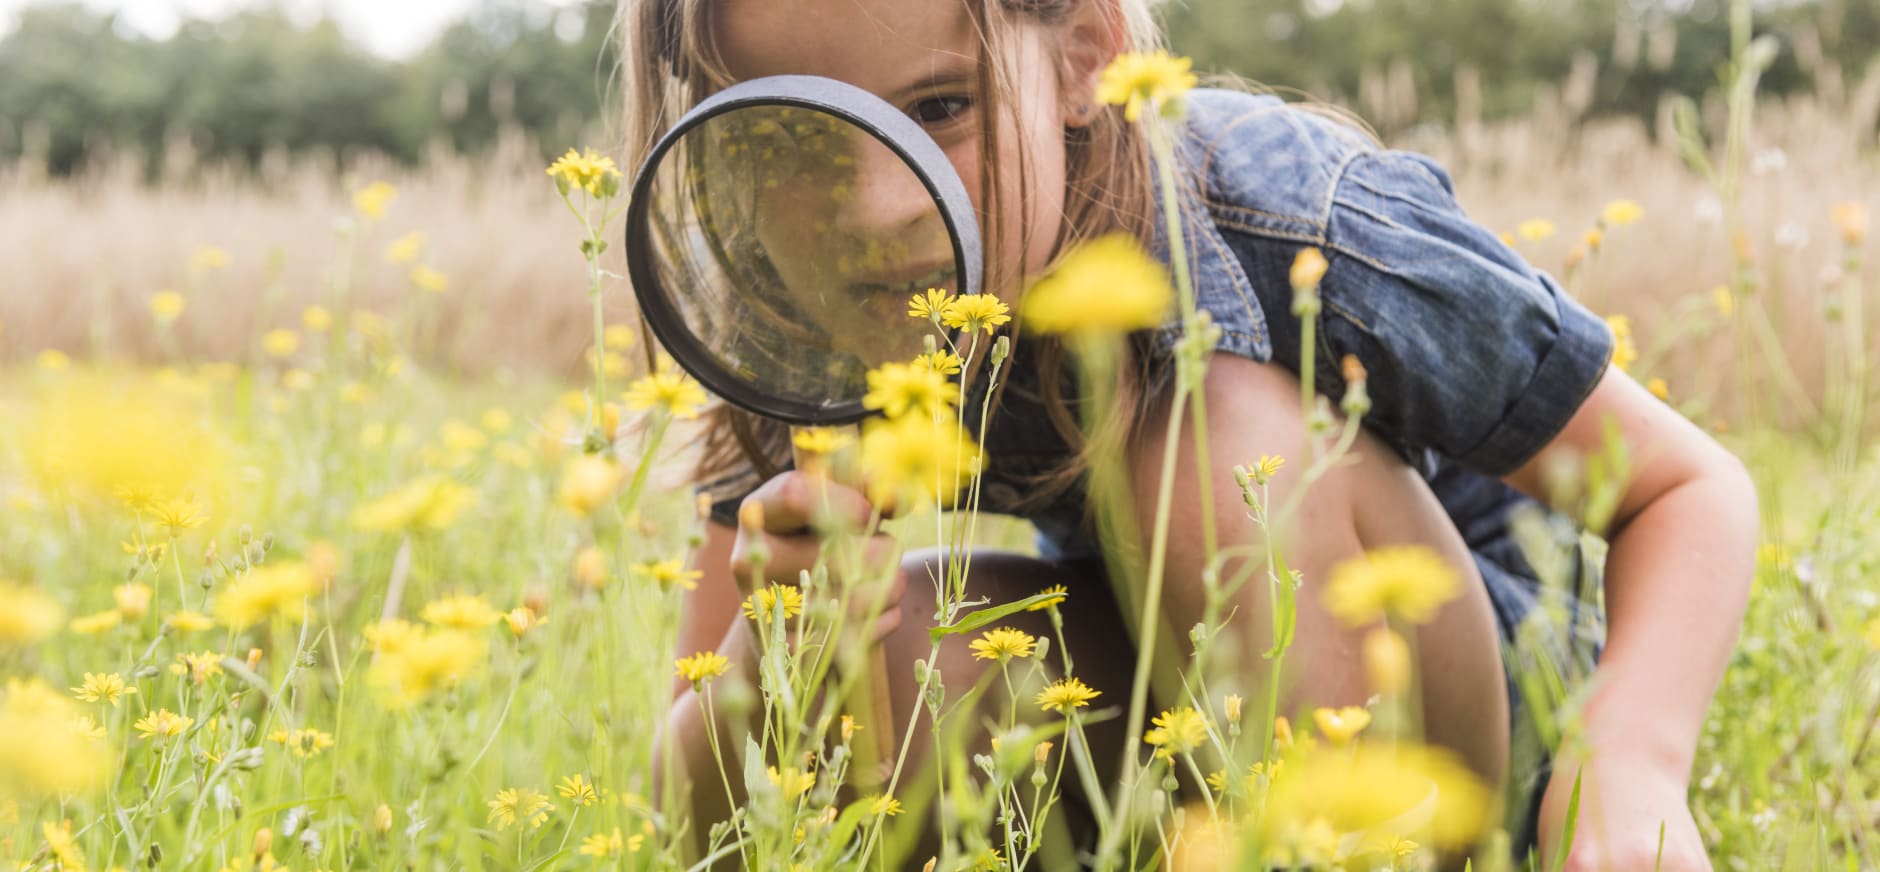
[(1469, 350)]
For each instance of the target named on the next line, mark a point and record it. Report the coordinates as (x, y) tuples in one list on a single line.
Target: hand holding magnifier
[(774, 238)]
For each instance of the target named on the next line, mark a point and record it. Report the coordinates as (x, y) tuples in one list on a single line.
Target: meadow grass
[(375, 597)]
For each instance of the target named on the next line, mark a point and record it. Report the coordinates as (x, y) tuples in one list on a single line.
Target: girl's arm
[(1677, 582), (1371, 500)]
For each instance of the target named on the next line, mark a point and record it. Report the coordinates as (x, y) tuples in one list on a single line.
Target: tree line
[(74, 85)]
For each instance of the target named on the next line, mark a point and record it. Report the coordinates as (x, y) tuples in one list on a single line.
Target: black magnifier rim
[(858, 107)]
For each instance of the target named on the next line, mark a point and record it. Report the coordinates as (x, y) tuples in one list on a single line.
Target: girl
[(1485, 376)]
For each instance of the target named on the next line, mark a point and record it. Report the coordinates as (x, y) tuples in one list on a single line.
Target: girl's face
[(922, 57)]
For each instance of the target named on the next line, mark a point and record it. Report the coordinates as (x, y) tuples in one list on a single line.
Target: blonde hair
[(668, 63)]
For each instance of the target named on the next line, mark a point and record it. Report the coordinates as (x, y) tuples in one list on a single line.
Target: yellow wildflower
[(929, 305), (406, 248), (1872, 634), (53, 360), (26, 614), (1065, 695), (1002, 644), (522, 619), (519, 804), (761, 602), (1407, 581), (189, 622), (617, 337), (822, 441), (198, 666), (166, 306), (429, 280), (371, 200), (590, 568), (612, 845), (1177, 731), (272, 589), (413, 662), (702, 667), (117, 438), (588, 482), (898, 389), (162, 724), (1360, 789), (1724, 300), (1057, 597), (426, 504), (45, 749), (578, 790), (670, 390), (1230, 707), (208, 257), (1267, 467), (304, 742), (914, 461), (133, 600), (792, 781), (585, 170), (175, 516), (1658, 388), (883, 806), (973, 312), (105, 687), (60, 845), (97, 622), (1137, 79), (1340, 725), (86, 728), (1535, 230), (280, 343), (1619, 213), (1851, 219), (1108, 285), (942, 361), (460, 611), (1623, 351), (669, 574)]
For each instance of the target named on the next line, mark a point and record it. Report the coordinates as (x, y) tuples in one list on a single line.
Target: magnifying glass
[(774, 237)]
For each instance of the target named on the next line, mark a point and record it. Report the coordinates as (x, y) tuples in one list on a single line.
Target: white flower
[(1791, 235), (1768, 162)]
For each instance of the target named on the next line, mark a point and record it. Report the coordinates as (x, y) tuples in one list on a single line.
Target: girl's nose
[(881, 196)]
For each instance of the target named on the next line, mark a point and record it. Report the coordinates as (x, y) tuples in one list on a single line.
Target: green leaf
[(1573, 817), (1285, 607), (987, 615)]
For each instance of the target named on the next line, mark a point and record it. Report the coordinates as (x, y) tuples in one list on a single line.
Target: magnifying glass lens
[(787, 241)]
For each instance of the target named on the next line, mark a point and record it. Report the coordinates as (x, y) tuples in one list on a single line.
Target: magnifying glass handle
[(875, 755)]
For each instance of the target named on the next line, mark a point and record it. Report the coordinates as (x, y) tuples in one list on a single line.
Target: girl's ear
[(1090, 37)]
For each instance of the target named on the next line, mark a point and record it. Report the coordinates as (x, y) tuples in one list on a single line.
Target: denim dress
[(1475, 361)]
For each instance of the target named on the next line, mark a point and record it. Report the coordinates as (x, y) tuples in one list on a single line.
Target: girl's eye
[(940, 110)]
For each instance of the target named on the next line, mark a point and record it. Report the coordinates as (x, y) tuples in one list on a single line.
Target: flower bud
[(1308, 269), (264, 841)]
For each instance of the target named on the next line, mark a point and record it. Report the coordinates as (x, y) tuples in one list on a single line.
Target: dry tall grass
[(80, 258)]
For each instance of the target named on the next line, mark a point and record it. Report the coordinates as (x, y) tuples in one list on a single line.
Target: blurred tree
[(73, 84)]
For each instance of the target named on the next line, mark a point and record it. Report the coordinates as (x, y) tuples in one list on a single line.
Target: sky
[(391, 28)]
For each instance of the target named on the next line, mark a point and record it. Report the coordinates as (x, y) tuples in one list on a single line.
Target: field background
[(221, 164)]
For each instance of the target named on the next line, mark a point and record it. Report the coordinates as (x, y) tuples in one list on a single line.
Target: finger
[(785, 557), (795, 500)]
